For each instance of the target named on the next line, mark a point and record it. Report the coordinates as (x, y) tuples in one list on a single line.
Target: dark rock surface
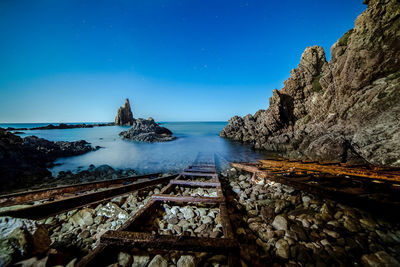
[(23, 159), (147, 131), (124, 115), (347, 110)]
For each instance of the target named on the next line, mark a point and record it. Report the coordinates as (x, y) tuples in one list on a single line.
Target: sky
[(196, 60)]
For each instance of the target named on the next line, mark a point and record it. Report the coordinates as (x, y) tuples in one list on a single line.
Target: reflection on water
[(193, 137)]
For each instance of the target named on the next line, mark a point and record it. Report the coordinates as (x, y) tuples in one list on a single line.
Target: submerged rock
[(147, 131), (346, 110)]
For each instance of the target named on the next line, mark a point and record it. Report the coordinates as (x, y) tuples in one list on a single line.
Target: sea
[(192, 138)]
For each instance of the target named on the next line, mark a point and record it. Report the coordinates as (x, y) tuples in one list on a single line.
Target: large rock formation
[(147, 131), (124, 115), (26, 159), (347, 110)]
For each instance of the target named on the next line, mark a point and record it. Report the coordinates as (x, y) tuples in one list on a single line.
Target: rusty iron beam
[(55, 207), (194, 183), (226, 225), (89, 258), (183, 243), (185, 199), (56, 192), (393, 176), (199, 174)]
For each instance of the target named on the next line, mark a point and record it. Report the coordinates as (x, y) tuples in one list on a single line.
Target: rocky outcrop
[(124, 115), (347, 110), (23, 159), (62, 126), (147, 131)]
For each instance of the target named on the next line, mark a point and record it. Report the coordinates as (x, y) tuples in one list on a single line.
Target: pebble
[(140, 260), (280, 223), (186, 261), (158, 261)]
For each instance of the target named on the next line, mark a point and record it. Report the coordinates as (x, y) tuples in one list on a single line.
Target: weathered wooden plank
[(337, 169)]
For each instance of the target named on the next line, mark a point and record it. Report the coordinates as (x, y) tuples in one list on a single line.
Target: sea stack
[(124, 115)]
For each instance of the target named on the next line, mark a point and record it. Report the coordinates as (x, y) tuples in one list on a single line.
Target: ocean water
[(192, 138)]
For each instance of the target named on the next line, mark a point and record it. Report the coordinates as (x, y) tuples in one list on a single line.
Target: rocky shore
[(345, 110), (275, 225), (24, 161)]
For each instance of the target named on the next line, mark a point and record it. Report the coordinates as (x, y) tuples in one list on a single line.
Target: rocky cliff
[(347, 110), (124, 114)]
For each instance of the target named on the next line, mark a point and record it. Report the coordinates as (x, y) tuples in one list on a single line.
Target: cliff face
[(347, 110), (124, 114)]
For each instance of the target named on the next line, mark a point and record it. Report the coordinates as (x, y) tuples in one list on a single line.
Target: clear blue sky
[(72, 61)]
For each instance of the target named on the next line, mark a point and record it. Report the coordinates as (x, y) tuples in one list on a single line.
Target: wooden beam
[(393, 176)]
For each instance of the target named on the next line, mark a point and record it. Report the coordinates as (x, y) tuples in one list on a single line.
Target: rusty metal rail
[(131, 235), (351, 185), (58, 192), (68, 203)]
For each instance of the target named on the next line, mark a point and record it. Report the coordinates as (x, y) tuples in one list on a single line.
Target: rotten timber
[(59, 206), (336, 169), (352, 185)]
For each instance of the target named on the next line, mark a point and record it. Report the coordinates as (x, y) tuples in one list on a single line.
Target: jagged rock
[(124, 114), (147, 131), (346, 110)]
